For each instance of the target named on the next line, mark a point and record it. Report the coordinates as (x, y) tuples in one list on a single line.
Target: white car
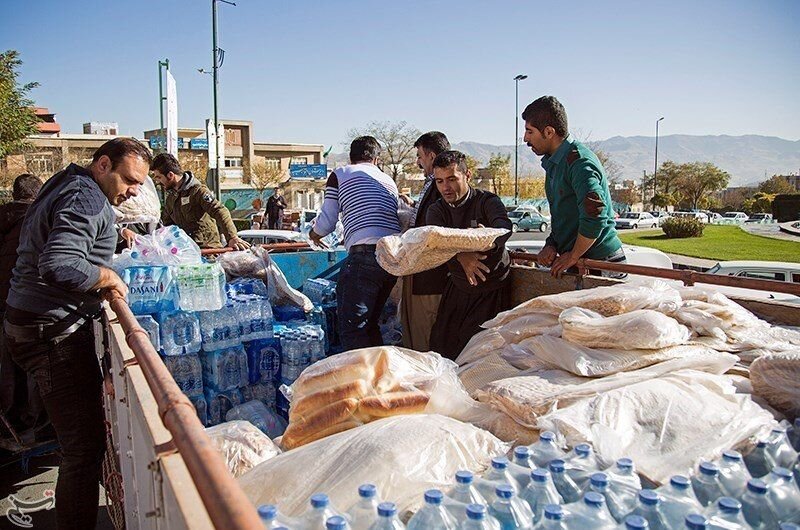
[(636, 220), (262, 237), (781, 271), (649, 257), (700, 216), (736, 217)]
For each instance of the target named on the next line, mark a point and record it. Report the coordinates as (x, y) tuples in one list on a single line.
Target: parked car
[(527, 220), (736, 217), (700, 216), (759, 218), (763, 270), (268, 237), (660, 216), (636, 220), (634, 255)]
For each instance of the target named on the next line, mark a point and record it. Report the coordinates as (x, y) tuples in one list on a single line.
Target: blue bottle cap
[(500, 462), (695, 521), (680, 482), (557, 466), (522, 452), (476, 512), (337, 522), (789, 526), (648, 497), (268, 511), (547, 436), (732, 456), (504, 491), (599, 480), (636, 522), (553, 512), (782, 472), (319, 500), (464, 477), (583, 449), (367, 491), (595, 499), (709, 468), (433, 497), (756, 485), (387, 509), (540, 475), (625, 463), (729, 505)]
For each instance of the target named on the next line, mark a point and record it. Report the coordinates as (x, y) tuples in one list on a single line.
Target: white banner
[(211, 134), (172, 116)]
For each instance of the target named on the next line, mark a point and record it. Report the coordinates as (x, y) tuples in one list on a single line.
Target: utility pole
[(655, 168), (517, 79), (217, 57), (161, 98)]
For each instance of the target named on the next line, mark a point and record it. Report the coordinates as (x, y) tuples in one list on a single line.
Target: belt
[(37, 332), (362, 249)]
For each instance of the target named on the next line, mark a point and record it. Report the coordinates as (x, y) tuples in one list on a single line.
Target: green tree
[(696, 181), (759, 203), (17, 119), (499, 169), (665, 184), (776, 185), (472, 165), (397, 143)]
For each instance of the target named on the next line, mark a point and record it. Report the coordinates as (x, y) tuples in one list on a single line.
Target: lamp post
[(655, 166), (162, 97), (517, 79)]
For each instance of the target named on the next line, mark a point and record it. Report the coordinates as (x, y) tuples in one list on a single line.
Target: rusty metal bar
[(689, 277), (270, 247), (226, 503)]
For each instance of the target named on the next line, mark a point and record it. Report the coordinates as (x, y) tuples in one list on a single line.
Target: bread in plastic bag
[(493, 367), (667, 425), (403, 456), (427, 247), (637, 330), (242, 445), (489, 340), (776, 378), (143, 208)]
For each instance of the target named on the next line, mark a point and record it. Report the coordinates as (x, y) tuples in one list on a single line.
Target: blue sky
[(307, 71)]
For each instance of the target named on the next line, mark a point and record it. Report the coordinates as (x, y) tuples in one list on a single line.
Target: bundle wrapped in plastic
[(667, 425), (637, 330), (776, 378), (168, 245), (403, 456), (427, 247), (143, 208), (360, 386), (242, 445), (512, 332), (256, 263)]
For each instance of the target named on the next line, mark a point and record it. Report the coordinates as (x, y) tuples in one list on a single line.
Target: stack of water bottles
[(302, 344), (547, 487), (322, 294)]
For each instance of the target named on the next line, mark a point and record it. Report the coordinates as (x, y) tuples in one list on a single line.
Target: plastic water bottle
[(432, 516), (201, 287), (591, 512), (200, 406), (478, 518), (599, 483), (263, 392), (649, 507), (520, 467), (497, 474), (545, 450), (678, 500), (522, 456), (150, 325), (789, 526), (794, 434), (727, 515), (462, 494), (784, 495), (151, 289), (706, 483), (756, 506), (780, 448), (187, 372), (796, 471), (259, 415), (245, 286), (759, 461), (180, 333), (624, 481), (553, 519), (695, 521), (271, 518), (219, 329), (365, 511), (263, 360), (225, 369), (512, 512), (540, 492), (337, 522), (387, 518), (566, 487), (733, 474), (636, 522), (319, 512), (581, 464), (219, 403)]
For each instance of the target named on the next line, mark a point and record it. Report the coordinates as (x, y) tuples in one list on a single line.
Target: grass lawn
[(722, 243)]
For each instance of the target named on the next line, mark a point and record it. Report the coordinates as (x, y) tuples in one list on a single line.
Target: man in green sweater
[(582, 219)]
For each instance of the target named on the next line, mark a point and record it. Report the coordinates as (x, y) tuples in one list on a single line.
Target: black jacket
[(431, 281), (11, 217)]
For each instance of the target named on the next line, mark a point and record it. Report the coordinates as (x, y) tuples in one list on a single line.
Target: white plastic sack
[(143, 208), (637, 330), (490, 340), (491, 368), (427, 247), (776, 378), (242, 445), (403, 456), (667, 425)]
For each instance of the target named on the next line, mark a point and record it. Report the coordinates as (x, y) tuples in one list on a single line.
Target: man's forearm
[(582, 245), (108, 278)]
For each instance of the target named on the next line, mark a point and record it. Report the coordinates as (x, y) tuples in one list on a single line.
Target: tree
[(17, 118), (531, 187), (696, 181), (264, 176), (759, 203), (776, 185), (664, 184), (397, 142), (626, 195), (472, 165), (499, 169), (195, 162)]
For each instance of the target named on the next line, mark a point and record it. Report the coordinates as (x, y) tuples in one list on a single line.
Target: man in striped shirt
[(366, 198)]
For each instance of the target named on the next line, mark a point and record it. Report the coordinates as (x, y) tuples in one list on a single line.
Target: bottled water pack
[(180, 333), (254, 313), (225, 369), (263, 392), (201, 287), (320, 291), (263, 360), (219, 403), (240, 286), (220, 329), (200, 405), (151, 289), (150, 325), (187, 372)]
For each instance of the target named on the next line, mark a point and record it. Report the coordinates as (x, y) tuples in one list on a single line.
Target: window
[(299, 160), (764, 275), (40, 163), (272, 163), (233, 137), (796, 277), (235, 161)]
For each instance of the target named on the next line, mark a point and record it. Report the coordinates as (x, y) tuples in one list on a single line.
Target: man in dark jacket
[(275, 206), (19, 397)]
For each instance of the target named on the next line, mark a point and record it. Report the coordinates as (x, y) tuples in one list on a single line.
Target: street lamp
[(655, 167), (517, 79)]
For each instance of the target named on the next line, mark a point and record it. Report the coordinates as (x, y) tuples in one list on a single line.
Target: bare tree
[(264, 176), (396, 139)]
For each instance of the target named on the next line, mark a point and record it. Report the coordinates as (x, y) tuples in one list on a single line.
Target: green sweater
[(573, 176)]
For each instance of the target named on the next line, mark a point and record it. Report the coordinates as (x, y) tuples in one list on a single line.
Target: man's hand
[(317, 239), (547, 256), (474, 268), (129, 236), (115, 287), (562, 263), (237, 243)]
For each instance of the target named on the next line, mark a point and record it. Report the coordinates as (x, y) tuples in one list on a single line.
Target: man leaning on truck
[(61, 276)]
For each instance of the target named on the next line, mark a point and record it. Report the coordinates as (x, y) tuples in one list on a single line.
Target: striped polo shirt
[(366, 198)]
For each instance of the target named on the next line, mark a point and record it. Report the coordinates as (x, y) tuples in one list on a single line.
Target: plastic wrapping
[(168, 245), (666, 425), (257, 413), (481, 345), (776, 378), (427, 247), (491, 368), (256, 263), (142, 208), (242, 445), (637, 330), (403, 456)]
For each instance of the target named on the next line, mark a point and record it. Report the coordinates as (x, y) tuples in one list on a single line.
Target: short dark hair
[(364, 149), (26, 187), (547, 110), (119, 148), (448, 158), (166, 163), (434, 142)]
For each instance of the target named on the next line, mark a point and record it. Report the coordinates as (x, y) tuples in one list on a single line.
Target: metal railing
[(280, 247), (225, 502)]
